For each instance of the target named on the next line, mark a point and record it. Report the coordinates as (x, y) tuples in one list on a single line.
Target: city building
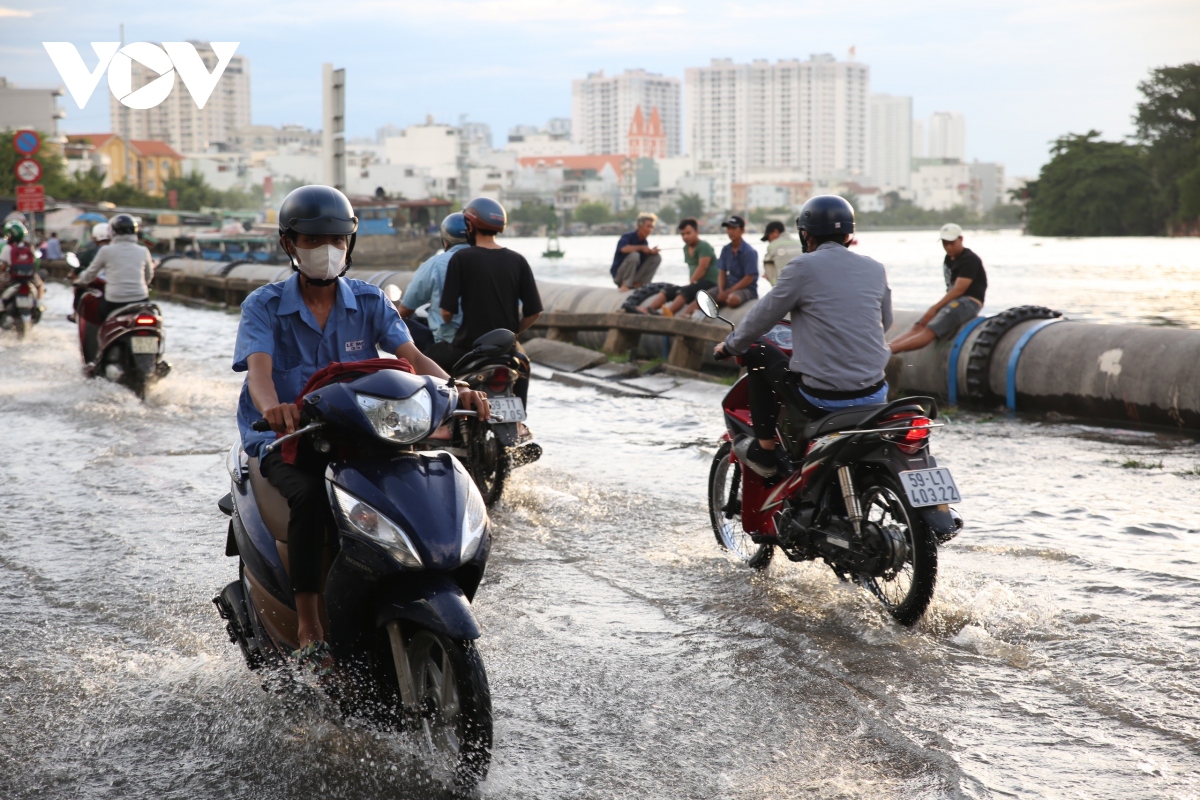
[(939, 184), (143, 164), (793, 115), (988, 181), (918, 138), (433, 147), (177, 121), (746, 197), (602, 109), (267, 138), (647, 138), (890, 129), (527, 141), (33, 109), (947, 135)]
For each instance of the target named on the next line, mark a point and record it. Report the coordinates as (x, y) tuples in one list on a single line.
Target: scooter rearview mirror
[(707, 305), (393, 292)]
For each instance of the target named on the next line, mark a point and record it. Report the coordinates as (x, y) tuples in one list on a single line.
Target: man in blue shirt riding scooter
[(290, 330), (426, 287)]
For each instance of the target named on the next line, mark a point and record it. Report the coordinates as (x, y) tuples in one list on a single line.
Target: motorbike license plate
[(24, 301), (144, 344), (929, 487), (508, 409)]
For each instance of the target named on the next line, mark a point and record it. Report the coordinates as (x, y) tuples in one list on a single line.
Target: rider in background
[(426, 287), (291, 329), (492, 286), (127, 267), (18, 259), (840, 305), (100, 237)]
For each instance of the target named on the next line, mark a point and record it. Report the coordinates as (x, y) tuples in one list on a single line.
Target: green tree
[(669, 214), (592, 213), (690, 205), (535, 213), (1168, 124), (1094, 188)]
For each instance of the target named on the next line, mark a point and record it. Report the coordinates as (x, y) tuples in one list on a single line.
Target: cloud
[(14, 12)]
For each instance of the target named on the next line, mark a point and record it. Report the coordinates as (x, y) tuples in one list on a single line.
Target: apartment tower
[(603, 108)]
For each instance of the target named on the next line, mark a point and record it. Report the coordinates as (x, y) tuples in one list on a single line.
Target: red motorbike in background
[(866, 495), (127, 347)]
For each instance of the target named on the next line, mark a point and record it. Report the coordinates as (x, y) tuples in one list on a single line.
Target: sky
[(1023, 73)]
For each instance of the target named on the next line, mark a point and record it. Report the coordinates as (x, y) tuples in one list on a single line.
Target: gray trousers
[(634, 272)]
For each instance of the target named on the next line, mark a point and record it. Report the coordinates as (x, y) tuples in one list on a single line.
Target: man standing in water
[(635, 261), (966, 285)]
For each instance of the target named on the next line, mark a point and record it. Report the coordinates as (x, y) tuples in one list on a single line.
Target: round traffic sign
[(27, 142), (28, 170)]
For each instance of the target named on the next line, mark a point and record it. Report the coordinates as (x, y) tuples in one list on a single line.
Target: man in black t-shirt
[(966, 287), (493, 284)]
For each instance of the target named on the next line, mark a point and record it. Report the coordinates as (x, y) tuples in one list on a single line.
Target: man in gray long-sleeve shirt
[(127, 267), (840, 305)]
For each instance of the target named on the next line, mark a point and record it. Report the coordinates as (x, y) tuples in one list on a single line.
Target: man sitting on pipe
[(966, 285)]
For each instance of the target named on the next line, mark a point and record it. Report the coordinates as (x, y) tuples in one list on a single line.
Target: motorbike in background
[(866, 496), (19, 305), (400, 570), (127, 347)]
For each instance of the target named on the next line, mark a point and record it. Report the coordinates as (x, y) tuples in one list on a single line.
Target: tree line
[(192, 191), (1147, 186)]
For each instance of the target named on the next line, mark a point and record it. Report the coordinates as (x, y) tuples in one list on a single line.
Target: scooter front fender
[(434, 602)]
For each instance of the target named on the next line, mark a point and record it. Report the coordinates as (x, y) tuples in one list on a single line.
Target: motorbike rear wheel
[(450, 709), (488, 460), (725, 511), (19, 325), (906, 592)]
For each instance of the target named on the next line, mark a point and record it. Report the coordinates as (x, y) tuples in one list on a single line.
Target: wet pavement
[(627, 654)]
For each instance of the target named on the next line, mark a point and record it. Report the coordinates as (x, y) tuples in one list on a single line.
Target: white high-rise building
[(793, 116), (602, 109), (948, 135), (177, 121), (918, 138), (889, 157)]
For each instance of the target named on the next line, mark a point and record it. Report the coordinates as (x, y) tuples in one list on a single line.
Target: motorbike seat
[(134, 308), (500, 340), (845, 419), (271, 504)]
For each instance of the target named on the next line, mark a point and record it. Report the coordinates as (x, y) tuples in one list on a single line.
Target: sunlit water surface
[(627, 655)]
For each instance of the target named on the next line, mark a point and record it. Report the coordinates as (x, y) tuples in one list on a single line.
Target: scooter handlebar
[(260, 425)]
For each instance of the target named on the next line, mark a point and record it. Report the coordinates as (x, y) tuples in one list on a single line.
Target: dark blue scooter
[(401, 568)]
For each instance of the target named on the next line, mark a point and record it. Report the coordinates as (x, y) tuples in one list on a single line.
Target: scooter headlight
[(406, 420), (363, 520), (474, 524)]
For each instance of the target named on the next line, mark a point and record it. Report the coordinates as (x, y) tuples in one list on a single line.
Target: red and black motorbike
[(125, 348), (866, 496)]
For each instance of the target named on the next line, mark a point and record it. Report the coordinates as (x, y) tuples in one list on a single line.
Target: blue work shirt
[(626, 240), (276, 321), (738, 265), (426, 287)]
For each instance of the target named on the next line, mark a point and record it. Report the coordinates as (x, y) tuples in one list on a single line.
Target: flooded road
[(627, 655)]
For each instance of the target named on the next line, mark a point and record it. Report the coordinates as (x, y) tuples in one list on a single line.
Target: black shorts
[(690, 291)]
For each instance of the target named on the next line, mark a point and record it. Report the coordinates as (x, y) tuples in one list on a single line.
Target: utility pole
[(333, 142)]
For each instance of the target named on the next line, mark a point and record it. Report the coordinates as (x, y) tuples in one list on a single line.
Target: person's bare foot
[(622, 288)]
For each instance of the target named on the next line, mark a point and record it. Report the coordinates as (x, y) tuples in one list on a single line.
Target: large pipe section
[(1027, 359)]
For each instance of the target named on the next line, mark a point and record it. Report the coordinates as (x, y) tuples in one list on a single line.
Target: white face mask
[(321, 263)]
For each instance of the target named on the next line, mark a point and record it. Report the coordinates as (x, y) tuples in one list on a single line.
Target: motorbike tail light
[(145, 320), (498, 380), (24, 289), (914, 434)]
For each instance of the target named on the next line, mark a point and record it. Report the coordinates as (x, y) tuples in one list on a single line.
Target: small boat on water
[(552, 248)]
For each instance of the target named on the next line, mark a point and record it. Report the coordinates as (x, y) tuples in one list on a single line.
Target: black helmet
[(826, 215), (122, 225), (454, 229), (319, 211), (485, 215)]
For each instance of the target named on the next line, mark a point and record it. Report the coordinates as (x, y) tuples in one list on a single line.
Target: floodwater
[(1149, 281), (628, 656)]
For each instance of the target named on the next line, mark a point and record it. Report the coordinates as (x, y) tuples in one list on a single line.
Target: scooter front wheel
[(443, 688), (725, 511)]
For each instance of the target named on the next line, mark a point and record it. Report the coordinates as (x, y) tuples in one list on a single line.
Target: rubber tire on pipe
[(978, 387)]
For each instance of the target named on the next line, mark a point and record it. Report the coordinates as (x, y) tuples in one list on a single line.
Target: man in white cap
[(966, 285)]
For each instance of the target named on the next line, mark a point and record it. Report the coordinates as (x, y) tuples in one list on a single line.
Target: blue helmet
[(826, 215), (454, 229)]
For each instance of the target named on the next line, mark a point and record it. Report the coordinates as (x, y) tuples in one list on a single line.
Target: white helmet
[(100, 232)]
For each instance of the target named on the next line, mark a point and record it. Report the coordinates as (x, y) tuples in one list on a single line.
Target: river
[(627, 655)]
